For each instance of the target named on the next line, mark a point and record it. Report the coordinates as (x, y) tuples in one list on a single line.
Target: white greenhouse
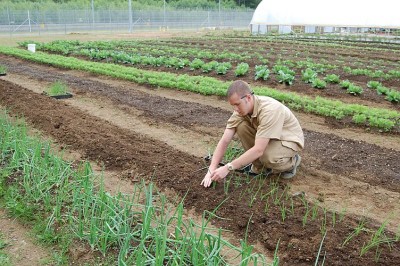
[(316, 16)]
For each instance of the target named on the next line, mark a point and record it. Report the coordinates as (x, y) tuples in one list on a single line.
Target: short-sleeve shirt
[(272, 120)]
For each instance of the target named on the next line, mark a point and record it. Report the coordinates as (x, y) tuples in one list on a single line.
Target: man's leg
[(247, 136), (278, 157)]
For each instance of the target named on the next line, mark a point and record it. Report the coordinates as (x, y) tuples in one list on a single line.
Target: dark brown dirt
[(356, 159), (120, 149)]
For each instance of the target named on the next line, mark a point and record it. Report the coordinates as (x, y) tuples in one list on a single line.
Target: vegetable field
[(146, 112)]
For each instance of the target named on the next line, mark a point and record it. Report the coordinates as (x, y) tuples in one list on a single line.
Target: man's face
[(241, 103)]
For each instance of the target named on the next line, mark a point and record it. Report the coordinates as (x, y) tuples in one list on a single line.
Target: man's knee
[(244, 129), (278, 160), (246, 133), (270, 159)]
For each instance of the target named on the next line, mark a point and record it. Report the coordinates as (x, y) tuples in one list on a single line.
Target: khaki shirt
[(272, 120)]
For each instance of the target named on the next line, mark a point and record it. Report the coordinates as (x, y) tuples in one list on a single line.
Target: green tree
[(248, 3), (137, 4)]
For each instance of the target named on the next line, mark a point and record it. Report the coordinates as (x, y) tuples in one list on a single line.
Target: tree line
[(136, 4)]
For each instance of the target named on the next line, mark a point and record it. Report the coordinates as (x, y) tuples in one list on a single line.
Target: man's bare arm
[(222, 147), (218, 155), (251, 154)]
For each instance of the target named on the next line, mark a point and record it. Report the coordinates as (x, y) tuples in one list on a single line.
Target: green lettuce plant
[(318, 83), (382, 90), (393, 96), (261, 72), (373, 84), (345, 84), (354, 90), (286, 78), (308, 75), (241, 69), (196, 64), (222, 68), (332, 78)]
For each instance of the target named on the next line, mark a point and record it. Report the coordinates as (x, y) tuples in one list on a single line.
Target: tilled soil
[(359, 160), (124, 150)]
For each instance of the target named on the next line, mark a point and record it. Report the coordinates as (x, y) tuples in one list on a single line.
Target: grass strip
[(383, 119)]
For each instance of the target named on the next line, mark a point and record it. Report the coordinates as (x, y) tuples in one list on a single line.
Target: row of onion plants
[(141, 228), (279, 203)]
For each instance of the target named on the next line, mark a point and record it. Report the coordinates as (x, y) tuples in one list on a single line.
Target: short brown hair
[(239, 87)]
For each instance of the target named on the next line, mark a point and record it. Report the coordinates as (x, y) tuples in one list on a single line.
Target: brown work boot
[(291, 173)]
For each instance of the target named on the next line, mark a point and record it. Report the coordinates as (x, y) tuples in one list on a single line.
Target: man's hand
[(207, 180), (218, 175)]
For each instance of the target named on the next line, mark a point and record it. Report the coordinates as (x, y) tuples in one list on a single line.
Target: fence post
[(109, 16), (29, 22), (130, 16), (219, 13), (164, 15), (92, 14), (65, 23), (9, 21), (38, 22)]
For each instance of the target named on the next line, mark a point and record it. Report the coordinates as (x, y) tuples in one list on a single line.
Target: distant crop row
[(381, 118), (67, 47), (294, 48), (294, 41), (280, 69), (158, 48), (339, 54)]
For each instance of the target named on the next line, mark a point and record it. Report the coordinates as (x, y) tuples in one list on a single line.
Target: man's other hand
[(207, 180)]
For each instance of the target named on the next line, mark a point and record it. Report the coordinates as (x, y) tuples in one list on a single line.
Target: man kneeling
[(269, 132)]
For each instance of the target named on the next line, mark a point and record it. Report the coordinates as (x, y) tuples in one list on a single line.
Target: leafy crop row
[(391, 95), (376, 117), (148, 48), (372, 74)]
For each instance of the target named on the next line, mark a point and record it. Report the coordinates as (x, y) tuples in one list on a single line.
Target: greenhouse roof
[(346, 13)]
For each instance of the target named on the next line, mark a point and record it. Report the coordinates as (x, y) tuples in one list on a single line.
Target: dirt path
[(344, 181), (22, 249)]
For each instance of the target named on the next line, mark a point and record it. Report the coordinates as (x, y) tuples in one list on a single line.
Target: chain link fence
[(80, 21)]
